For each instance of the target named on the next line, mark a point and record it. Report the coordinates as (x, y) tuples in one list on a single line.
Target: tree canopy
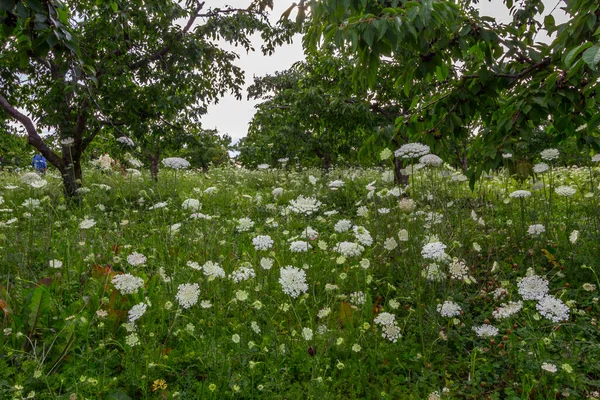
[(144, 70), (466, 77)]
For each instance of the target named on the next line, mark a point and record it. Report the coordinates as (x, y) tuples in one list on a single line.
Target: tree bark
[(399, 177), (154, 165)]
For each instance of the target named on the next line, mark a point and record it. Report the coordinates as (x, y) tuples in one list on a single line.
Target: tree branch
[(160, 53), (33, 138)]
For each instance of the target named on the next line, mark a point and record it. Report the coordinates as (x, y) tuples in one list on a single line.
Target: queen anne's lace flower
[(566, 191), (305, 205), (213, 270), (553, 309), (533, 287), (127, 283), (187, 294), (549, 154), (342, 226), (431, 160), (389, 327), (243, 273), (349, 249), (458, 269), (136, 259), (87, 223), (449, 309), (137, 311), (434, 251), (520, 194), (293, 281), (433, 273), (262, 242), (244, 224), (191, 205), (126, 141), (412, 150), (486, 331), (175, 163), (536, 229), (362, 235), (540, 168), (299, 246), (508, 309)]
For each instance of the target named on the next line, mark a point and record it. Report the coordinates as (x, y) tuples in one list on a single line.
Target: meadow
[(292, 283)]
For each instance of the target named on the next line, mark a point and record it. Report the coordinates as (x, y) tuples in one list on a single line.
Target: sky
[(231, 116)]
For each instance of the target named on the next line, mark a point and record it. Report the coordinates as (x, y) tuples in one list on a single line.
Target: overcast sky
[(231, 116)]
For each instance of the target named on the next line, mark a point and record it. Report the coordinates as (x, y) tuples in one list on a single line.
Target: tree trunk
[(327, 161), (399, 177), (71, 182), (154, 165)]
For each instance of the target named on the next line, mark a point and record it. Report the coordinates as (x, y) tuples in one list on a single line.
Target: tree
[(142, 69), (312, 112), (470, 79)]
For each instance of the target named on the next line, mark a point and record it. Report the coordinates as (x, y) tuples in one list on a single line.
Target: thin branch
[(33, 137), (160, 53)]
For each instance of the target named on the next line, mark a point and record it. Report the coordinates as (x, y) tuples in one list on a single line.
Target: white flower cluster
[(187, 294), (244, 224), (434, 251), (433, 272), (191, 205), (125, 140), (299, 246), (566, 191), (362, 235), (87, 223), (540, 168), (262, 242), (175, 163), (336, 184), (412, 150), (553, 309), (136, 259), (520, 194), (241, 274), (127, 283), (309, 233), (390, 244), (358, 298), (507, 310), (449, 309), (458, 269), (342, 226), (293, 281), (213, 270), (304, 205), (349, 249), (485, 331), (536, 229), (549, 154), (389, 327), (431, 160), (137, 311), (533, 287)]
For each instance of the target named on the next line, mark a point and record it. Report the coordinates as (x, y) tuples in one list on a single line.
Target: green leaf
[(592, 56), (117, 395), (40, 303), (570, 56), (6, 5), (368, 35), (114, 6)]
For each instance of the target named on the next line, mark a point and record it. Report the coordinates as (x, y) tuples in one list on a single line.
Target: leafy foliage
[(464, 74), (123, 68)]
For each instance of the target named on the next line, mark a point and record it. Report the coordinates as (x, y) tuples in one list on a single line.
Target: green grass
[(65, 333)]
